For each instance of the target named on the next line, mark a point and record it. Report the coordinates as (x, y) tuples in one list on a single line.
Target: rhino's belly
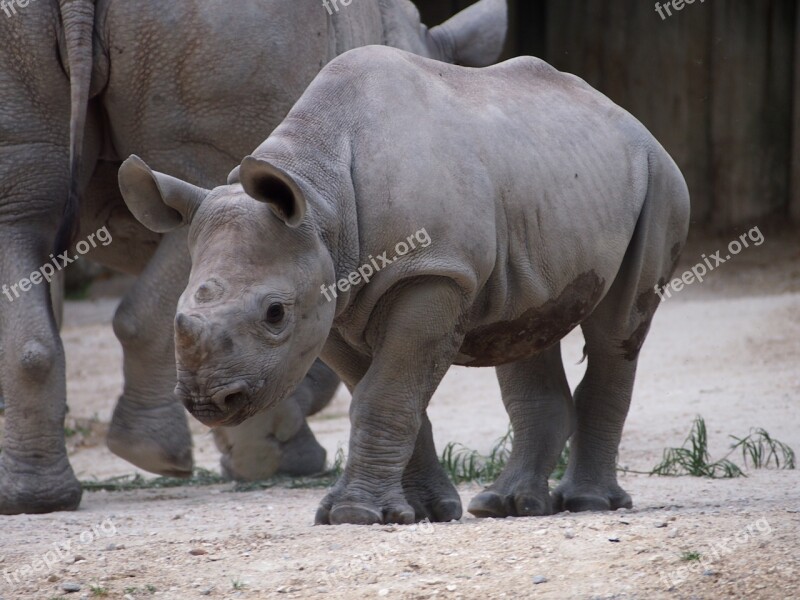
[(534, 330)]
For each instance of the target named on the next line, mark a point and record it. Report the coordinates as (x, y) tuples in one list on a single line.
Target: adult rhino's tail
[(77, 18)]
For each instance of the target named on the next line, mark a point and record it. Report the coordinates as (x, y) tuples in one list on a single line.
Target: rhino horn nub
[(187, 330)]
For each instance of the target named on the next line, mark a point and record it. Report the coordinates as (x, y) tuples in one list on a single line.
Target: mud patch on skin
[(646, 305), (536, 329)]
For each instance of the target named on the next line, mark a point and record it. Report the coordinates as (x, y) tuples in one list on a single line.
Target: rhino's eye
[(275, 313)]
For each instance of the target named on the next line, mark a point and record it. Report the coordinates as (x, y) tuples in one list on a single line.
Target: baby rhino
[(407, 216)]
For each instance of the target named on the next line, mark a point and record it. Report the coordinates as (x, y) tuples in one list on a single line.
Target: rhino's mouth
[(238, 406)]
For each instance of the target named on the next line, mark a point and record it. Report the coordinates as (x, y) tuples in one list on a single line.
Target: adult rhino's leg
[(538, 400), (149, 427), (279, 440), (35, 474), (389, 401)]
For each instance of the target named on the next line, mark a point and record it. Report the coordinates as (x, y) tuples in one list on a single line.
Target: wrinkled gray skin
[(192, 86), (548, 207)]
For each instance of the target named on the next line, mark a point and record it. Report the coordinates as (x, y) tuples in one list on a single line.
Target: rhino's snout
[(225, 406)]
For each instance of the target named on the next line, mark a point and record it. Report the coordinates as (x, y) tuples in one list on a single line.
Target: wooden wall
[(717, 83)]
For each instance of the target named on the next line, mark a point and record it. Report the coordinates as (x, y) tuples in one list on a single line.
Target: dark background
[(717, 83)]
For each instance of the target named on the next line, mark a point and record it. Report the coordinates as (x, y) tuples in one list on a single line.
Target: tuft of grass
[(70, 432), (691, 555), (762, 449), (462, 464), (339, 461), (238, 585), (561, 465), (98, 591), (150, 588), (694, 459), (465, 465)]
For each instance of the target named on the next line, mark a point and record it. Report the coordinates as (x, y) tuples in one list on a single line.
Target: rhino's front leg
[(426, 485), (414, 342)]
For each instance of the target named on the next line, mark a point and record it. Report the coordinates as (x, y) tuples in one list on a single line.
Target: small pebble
[(451, 588), (383, 592), (198, 551), (673, 533), (569, 534), (613, 538), (539, 579), (70, 587), (661, 524), (205, 592), (709, 573)]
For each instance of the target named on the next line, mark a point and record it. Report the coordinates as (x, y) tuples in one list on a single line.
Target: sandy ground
[(727, 349)]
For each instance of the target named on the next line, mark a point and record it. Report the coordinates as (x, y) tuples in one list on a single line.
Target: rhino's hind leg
[(538, 400), (614, 335), (427, 487)]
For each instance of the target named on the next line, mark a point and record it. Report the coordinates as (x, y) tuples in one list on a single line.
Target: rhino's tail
[(77, 18)]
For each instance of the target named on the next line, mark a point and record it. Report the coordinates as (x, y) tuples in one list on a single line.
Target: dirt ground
[(727, 349)]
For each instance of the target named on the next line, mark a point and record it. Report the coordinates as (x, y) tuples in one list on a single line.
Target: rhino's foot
[(261, 447), (590, 497), (33, 489), (155, 438), (302, 454), (432, 495), (513, 497), (358, 506)]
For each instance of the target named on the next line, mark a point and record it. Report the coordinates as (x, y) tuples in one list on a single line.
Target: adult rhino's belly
[(534, 330)]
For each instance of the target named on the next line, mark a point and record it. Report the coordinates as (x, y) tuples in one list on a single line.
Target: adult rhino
[(546, 207), (192, 86)]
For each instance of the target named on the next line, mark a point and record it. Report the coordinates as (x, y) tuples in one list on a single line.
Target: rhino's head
[(251, 320)]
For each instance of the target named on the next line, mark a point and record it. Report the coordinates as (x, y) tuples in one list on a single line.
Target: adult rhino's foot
[(155, 438), (34, 488), (275, 441), (359, 504), (509, 496), (590, 497), (302, 454)]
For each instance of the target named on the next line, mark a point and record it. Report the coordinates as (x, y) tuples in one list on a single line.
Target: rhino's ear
[(159, 202), (233, 176), (475, 37), (266, 182)]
